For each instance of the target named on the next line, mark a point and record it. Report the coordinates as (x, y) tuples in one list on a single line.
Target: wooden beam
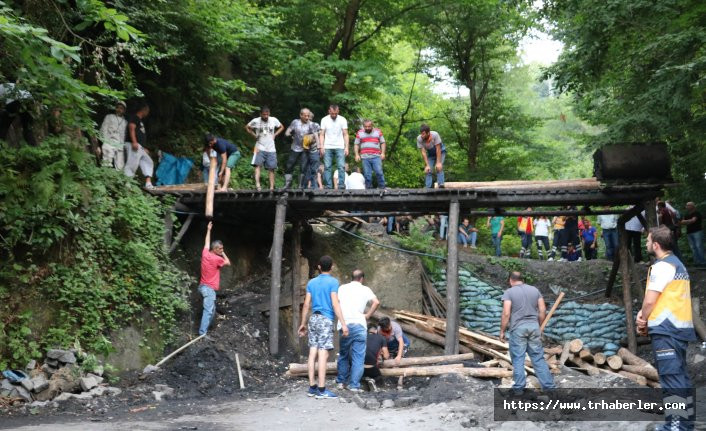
[(613, 275), (276, 281), (211, 188), (627, 295), (452, 302), (296, 276), (181, 233), (168, 229), (551, 312)]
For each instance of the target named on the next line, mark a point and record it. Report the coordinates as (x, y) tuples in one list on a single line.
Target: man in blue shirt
[(228, 155), (322, 296)]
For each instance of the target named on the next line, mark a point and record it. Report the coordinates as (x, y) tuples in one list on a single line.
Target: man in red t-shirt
[(213, 258)]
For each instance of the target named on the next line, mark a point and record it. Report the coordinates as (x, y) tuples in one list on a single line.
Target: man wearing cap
[(112, 135)]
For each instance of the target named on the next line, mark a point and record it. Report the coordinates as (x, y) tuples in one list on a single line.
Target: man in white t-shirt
[(354, 298), (112, 135), (334, 143), (355, 181), (265, 129), (541, 235)]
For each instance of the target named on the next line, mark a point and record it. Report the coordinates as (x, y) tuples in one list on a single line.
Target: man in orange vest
[(525, 227)]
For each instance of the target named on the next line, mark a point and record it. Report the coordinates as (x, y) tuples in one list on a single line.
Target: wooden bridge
[(508, 198)]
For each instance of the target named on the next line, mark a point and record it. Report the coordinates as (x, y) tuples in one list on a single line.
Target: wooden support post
[(168, 229), (452, 304), (211, 188), (296, 278), (627, 295), (613, 275), (650, 213), (276, 281), (181, 233)]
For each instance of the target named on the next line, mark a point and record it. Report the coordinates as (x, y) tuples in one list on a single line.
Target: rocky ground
[(199, 388)]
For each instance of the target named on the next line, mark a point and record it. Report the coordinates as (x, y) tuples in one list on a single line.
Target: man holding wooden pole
[(524, 310), (213, 258), (666, 315)]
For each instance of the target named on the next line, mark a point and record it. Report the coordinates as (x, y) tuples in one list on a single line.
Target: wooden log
[(276, 280), (565, 353), (493, 373), (211, 188), (296, 277), (599, 358), (429, 360), (699, 325), (552, 361), (614, 362), (181, 233), (490, 363), (585, 366), (554, 350), (630, 358), (554, 307), (648, 372), (640, 380), (575, 345), (452, 299), (625, 273), (654, 384), (169, 356), (585, 355), (429, 336), (505, 364), (613, 275)]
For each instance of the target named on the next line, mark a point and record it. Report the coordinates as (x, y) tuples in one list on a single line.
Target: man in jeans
[(213, 258), (496, 225), (524, 310), (354, 297), (369, 145), (434, 155), (694, 233), (609, 231), (322, 296), (333, 142)]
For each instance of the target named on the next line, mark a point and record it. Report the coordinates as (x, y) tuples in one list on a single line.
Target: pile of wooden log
[(420, 366), (624, 363)]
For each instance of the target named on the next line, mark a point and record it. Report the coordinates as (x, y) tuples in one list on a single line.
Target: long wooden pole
[(181, 233), (276, 280), (627, 296), (211, 188), (296, 277), (554, 307), (452, 304), (169, 356)]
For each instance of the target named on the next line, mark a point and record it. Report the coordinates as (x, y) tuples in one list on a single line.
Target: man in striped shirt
[(369, 146)]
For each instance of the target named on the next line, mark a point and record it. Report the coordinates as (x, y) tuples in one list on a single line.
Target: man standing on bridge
[(213, 258), (369, 145), (524, 310), (433, 153), (666, 317)]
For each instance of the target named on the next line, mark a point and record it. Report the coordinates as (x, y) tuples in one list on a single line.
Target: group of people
[(312, 142)]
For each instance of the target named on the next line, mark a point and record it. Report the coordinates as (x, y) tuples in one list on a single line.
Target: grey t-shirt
[(431, 144), (524, 300)]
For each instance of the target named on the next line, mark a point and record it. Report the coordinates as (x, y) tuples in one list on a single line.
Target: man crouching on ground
[(322, 295), (213, 258)]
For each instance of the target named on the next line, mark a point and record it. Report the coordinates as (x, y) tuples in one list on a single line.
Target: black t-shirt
[(572, 223), (374, 344), (225, 146), (696, 226), (140, 132)]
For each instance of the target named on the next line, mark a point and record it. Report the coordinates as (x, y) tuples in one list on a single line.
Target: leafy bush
[(81, 253)]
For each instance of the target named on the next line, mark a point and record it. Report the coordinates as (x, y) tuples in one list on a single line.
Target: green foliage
[(87, 243), (422, 241)]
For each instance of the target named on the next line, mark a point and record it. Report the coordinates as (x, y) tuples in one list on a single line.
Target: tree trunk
[(347, 43), (473, 138)]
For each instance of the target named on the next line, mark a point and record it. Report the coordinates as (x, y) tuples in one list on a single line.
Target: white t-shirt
[(333, 132), (354, 297), (661, 274), (541, 227), (265, 132), (355, 181)]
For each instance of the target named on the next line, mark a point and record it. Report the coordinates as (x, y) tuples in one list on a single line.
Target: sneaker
[(355, 390), (325, 395), (579, 259), (312, 392), (371, 384), (562, 260), (551, 259), (149, 186)]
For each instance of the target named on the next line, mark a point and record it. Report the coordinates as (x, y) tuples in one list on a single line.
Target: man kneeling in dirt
[(397, 342), (213, 258), (375, 346), (524, 310), (322, 295)]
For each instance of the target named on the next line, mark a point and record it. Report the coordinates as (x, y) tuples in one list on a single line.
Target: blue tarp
[(173, 170)]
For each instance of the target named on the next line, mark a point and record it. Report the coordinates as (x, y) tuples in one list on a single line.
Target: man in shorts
[(265, 129), (228, 154), (322, 296)]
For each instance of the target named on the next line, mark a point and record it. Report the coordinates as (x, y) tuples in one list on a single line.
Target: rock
[(166, 390), (88, 383), (698, 358), (55, 353), (83, 396), (63, 380), (98, 379), (27, 384), (52, 363), (64, 396), (24, 393), (405, 401), (39, 383), (39, 404), (68, 358), (31, 365), (388, 404), (469, 422), (6, 387), (342, 400), (48, 369), (112, 390), (150, 369), (98, 391), (372, 404), (360, 402), (98, 370)]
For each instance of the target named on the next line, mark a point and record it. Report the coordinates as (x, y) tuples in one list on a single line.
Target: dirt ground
[(207, 395)]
